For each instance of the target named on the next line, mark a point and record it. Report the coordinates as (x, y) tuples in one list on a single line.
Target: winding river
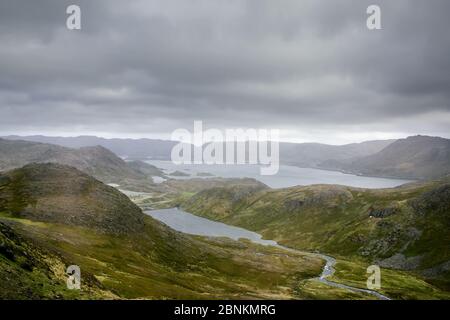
[(188, 223)]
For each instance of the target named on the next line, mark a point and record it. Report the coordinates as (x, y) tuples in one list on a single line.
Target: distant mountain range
[(417, 157), (315, 154), (299, 154), (130, 148), (96, 161)]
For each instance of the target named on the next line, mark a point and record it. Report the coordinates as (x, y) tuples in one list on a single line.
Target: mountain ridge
[(93, 160), (161, 149), (416, 157)]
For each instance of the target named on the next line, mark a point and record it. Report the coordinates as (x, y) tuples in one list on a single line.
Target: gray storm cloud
[(143, 68)]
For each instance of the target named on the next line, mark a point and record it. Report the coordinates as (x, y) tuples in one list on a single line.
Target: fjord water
[(287, 176)]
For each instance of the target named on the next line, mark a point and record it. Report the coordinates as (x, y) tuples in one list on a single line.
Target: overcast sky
[(144, 68)]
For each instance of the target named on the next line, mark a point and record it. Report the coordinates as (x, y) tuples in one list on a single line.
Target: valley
[(141, 259), (404, 230), (224, 150), (190, 224), (62, 206)]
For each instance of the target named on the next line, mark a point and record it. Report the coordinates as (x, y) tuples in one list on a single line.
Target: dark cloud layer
[(145, 68)]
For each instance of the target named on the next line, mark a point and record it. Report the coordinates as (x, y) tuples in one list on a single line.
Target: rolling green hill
[(57, 193)]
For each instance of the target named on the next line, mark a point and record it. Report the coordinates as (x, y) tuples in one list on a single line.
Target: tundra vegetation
[(40, 236), (55, 213), (405, 230)]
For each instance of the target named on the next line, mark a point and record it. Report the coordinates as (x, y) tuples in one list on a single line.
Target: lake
[(287, 176), (188, 223)]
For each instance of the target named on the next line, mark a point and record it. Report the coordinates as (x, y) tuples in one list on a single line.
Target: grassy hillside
[(52, 216), (57, 193), (403, 228), (28, 271), (164, 195)]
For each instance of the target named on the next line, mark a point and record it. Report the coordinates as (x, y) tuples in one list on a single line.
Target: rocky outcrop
[(382, 212), (436, 200), (400, 261)]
